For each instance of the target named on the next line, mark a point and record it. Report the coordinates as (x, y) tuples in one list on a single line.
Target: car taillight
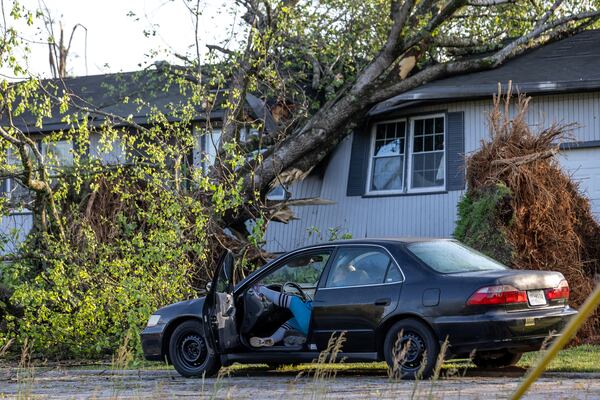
[(495, 295), (559, 292)]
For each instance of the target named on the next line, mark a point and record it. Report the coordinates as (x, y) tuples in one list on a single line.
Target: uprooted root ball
[(539, 220)]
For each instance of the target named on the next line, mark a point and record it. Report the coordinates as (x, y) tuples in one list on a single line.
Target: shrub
[(482, 217), (83, 297)]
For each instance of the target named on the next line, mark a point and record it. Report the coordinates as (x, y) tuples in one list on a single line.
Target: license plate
[(536, 297)]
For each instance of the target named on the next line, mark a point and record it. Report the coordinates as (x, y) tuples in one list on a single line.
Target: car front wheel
[(411, 350), (496, 359), (189, 351)]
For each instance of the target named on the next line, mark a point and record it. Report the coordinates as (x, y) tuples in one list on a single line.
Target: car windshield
[(449, 257)]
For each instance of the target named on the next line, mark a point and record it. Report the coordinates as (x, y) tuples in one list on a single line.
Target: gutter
[(455, 92)]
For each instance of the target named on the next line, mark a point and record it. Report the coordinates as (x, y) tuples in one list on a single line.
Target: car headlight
[(153, 320)]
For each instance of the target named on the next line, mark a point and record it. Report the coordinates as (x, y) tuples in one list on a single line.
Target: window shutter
[(359, 162), (455, 151)]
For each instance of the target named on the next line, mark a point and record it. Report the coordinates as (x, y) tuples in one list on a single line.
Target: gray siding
[(427, 214)]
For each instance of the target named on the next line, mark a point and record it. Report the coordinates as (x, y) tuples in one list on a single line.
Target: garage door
[(584, 167)]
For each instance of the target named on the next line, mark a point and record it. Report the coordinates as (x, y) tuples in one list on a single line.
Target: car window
[(393, 274), (305, 270), (449, 257), (355, 266)]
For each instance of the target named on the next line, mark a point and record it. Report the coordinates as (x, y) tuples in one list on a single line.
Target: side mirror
[(208, 286)]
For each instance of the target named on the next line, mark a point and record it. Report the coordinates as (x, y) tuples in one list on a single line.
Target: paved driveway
[(263, 384)]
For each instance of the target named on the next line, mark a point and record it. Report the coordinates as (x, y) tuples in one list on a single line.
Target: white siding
[(434, 214), (15, 227), (584, 167)]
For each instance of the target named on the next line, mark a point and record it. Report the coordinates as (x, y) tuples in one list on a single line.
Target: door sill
[(291, 357)]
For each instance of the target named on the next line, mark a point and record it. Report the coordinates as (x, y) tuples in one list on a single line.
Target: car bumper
[(517, 331), (152, 338)]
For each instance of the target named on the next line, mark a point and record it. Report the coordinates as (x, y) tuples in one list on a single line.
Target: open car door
[(219, 309)]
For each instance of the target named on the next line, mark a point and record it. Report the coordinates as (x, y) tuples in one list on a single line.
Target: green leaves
[(87, 298), (479, 222)]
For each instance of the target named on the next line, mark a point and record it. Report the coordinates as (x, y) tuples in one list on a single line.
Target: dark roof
[(119, 93), (568, 65)]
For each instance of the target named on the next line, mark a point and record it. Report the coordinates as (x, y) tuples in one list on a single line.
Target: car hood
[(188, 307)]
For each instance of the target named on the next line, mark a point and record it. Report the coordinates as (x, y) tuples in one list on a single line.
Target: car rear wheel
[(411, 349), (496, 359), (189, 351)]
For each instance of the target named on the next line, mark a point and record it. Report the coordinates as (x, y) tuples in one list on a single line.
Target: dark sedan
[(389, 296)]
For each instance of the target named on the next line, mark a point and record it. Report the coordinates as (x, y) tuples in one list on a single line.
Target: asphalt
[(59, 383)]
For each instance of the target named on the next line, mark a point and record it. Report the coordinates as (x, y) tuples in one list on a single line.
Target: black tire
[(411, 350), (496, 359), (190, 353)]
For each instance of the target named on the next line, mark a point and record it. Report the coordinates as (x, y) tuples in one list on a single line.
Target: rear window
[(449, 257)]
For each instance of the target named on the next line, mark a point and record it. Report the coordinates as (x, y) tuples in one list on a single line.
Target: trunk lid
[(534, 283)]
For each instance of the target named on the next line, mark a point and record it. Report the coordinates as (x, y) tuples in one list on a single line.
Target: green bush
[(481, 215), (81, 298)]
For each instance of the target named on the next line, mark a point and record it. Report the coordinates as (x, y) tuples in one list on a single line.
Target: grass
[(575, 359), (585, 358)]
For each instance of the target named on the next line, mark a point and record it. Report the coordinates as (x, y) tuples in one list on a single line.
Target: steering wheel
[(302, 294)]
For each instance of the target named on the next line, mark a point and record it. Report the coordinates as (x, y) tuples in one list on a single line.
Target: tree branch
[(488, 3), (512, 49), (221, 49)]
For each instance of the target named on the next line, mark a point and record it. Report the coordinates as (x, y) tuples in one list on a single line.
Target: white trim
[(408, 153), (372, 156), (409, 166)]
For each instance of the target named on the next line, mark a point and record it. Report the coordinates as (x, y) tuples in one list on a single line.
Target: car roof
[(380, 241)]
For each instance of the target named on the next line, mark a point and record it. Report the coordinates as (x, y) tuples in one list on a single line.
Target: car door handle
[(383, 302)]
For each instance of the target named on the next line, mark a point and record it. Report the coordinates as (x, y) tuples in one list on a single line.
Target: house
[(131, 95), (402, 172)]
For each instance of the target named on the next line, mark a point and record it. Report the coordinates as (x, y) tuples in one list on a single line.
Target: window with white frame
[(206, 146), (11, 188), (58, 153), (387, 163), (108, 149), (211, 146), (427, 162), (408, 155)]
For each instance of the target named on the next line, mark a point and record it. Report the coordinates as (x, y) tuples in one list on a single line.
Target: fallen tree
[(527, 208)]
